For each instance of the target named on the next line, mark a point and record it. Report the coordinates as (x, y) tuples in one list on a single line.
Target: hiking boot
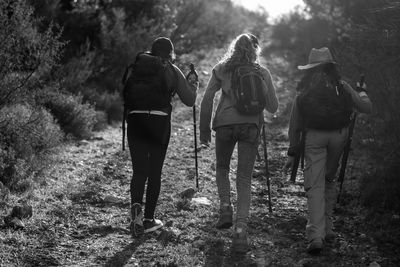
[(136, 225), (240, 243), (315, 246), (225, 217), (152, 225)]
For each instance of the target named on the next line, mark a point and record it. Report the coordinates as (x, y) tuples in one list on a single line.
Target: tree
[(25, 53)]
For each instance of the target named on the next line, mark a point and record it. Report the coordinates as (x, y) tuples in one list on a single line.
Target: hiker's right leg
[(224, 145), (335, 149), (247, 150)]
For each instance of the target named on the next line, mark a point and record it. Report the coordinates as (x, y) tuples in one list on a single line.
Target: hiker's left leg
[(336, 145), (160, 135), (224, 145), (314, 182), (139, 149)]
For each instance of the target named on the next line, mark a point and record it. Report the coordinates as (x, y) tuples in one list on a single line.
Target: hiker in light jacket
[(233, 128), (324, 143), (148, 138)]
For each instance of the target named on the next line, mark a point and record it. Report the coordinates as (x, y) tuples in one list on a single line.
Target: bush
[(101, 121), (25, 52), (26, 132), (381, 191), (74, 117), (111, 104), (373, 48)]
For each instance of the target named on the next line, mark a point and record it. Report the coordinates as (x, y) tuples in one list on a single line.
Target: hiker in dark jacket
[(148, 138), (234, 128), (325, 139)]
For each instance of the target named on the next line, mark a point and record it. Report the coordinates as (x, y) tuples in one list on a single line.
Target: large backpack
[(145, 86), (248, 89), (325, 106)]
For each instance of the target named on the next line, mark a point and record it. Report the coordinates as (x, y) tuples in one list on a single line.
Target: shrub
[(74, 117), (25, 52), (26, 132), (111, 103), (101, 121), (381, 190)]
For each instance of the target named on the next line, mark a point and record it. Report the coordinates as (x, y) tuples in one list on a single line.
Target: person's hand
[(361, 88), (288, 164)]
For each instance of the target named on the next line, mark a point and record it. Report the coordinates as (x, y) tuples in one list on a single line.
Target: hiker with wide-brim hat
[(322, 111)]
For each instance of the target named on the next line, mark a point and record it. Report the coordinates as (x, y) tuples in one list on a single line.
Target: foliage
[(28, 57), (205, 24), (373, 49), (26, 133), (74, 117), (364, 38), (24, 51)]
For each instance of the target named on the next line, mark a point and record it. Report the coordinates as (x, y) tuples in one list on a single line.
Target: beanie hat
[(163, 47)]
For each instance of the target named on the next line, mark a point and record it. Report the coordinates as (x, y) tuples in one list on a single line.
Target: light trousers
[(247, 138), (323, 150)]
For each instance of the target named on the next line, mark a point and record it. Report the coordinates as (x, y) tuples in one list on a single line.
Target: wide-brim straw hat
[(318, 57)]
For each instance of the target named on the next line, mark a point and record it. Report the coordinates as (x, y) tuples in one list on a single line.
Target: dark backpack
[(325, 106), (145, 86), (248, 89)]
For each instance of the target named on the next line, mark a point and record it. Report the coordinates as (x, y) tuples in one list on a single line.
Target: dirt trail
[(81, 214)]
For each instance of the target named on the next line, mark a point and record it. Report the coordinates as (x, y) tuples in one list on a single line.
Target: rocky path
[(81, 213)]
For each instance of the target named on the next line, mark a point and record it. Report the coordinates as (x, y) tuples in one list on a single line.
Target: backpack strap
[(175, 76)]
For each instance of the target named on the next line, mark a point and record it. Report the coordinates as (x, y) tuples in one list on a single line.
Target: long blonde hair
[(243, 49)]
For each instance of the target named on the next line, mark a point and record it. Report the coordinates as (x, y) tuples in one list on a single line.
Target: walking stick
[(195, 146), (193, 76), (347, 147), (299, 158), (266, 168)]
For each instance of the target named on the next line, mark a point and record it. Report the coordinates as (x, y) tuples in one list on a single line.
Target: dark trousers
[(148, 138)]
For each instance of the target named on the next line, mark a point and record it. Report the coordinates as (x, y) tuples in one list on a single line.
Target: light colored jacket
[(226, 113)]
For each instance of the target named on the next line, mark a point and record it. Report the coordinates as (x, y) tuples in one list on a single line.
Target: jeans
[(247, 137), (148, 138)]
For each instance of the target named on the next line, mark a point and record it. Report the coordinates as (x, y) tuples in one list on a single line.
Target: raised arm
[(186, 91), (360, 100)]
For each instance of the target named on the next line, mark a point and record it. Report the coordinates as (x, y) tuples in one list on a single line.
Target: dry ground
[(81, 213), (80, 208)]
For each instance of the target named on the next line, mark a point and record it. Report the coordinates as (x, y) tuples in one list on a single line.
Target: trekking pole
[(298, 158), (266, 168), (193, 76), (347, 147), (195, 146)]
